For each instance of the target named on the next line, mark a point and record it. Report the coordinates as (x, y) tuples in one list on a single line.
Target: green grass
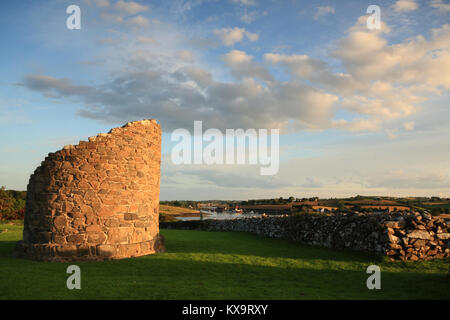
[(222, 265), (431, 206)]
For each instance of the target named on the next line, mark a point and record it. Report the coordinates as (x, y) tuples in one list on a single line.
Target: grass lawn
[(222, 265)]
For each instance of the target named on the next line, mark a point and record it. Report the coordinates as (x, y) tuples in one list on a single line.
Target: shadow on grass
[(7, 249), (184, 273), (156, 277), (242, 243)]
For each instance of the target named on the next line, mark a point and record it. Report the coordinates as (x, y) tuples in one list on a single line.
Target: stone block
[(106, 250), (75, 239)]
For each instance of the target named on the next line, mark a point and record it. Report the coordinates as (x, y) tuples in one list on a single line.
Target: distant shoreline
[(171, 213)]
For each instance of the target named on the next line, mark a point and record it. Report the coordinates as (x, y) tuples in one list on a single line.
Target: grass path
[(222, 265)]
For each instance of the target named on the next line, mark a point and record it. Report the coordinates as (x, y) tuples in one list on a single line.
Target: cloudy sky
[(360, 111)]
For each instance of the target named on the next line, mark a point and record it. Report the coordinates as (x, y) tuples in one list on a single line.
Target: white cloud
[(378, 165), (199, 76), (230, 36), (357, 125), (368, 56), (391, 133), (237, 57), (109, 41), (245, 2), (410, 180), (185, 55), (130, 8), (382, 81), (300, 65), (123, 12), (177, 96), (102, 3), (229, 177), (409, 125), (379, 84), (405, 5), (252, 36), (395, 78), (439, 4), (371, 166), (242, 66), (249, 17), (111, 18), (146, 40), (322, 11), (139, 20), (376, 83)]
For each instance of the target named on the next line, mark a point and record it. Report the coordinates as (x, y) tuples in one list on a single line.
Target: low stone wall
[(401, 237)]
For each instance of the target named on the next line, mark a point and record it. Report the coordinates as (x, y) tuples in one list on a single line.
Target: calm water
[(220, 216)]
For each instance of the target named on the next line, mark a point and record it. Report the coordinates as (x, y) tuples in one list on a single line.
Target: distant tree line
[(180, 203), (278, 201), (12, 204)]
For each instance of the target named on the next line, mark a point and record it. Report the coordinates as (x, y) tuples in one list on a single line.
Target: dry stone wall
[(97, 200), (399, 236)]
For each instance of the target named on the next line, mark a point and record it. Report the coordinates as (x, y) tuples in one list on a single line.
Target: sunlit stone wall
[(97, 200)]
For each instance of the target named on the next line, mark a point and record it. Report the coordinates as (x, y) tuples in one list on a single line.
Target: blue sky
[(361, 111)]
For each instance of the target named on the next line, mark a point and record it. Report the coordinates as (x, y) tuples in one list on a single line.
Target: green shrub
[(12, 204)]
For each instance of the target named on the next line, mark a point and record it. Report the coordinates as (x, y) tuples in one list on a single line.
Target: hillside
[(169, 213)]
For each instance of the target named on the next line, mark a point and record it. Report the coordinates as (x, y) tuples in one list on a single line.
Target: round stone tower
[(97, 200)]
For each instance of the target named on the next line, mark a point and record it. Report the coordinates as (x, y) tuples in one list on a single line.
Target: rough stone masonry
[(98, 200), (400, 236)]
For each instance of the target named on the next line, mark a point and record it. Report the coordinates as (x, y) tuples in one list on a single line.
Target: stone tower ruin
[(98, 200)]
